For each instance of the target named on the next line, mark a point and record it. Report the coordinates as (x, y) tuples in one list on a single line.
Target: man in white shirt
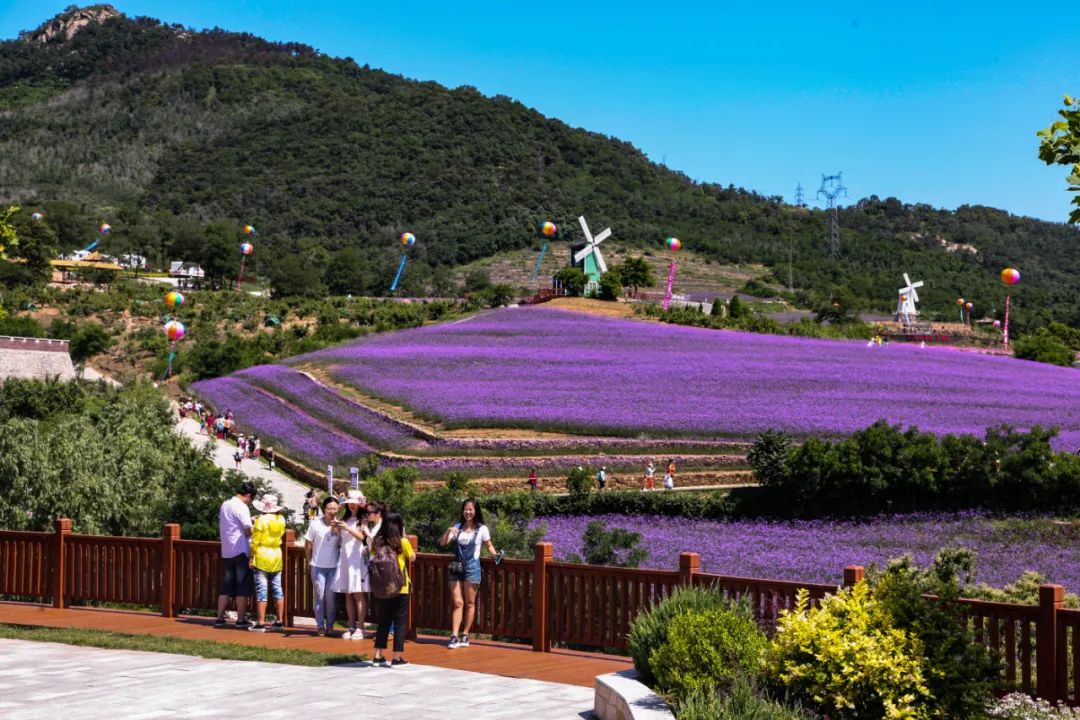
[(234, 527), (322, 542)]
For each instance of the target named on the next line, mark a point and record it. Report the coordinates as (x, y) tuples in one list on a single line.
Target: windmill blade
[(604, 235), (917, 285), (907, 280), (585, 228), (599, 259), (914, 295), (582, 253)]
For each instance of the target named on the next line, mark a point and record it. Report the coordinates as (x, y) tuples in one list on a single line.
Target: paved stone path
[(292, 492), (47, 681)]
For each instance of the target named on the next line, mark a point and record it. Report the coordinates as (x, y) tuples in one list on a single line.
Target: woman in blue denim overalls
[(469, 534)]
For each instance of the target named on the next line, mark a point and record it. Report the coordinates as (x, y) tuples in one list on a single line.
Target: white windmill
[(590, 256), (905, 306)]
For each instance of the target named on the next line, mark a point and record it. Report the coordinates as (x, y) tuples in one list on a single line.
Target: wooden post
[(415, 542), (62, 527), (689, 565), (853, 575), (287, 541), (169, 535), (543, 553), (1051, 599)]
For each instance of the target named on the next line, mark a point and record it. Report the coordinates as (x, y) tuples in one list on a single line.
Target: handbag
[(456, 567)]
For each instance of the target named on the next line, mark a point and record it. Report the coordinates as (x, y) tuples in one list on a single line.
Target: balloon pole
[(536, 269), (670, 282), (1005, 334), (168, 363), (401, 268), (240, 277)]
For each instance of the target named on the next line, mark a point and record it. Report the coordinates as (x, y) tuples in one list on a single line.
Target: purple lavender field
[(817, 551), (278, 423), (550, 369)]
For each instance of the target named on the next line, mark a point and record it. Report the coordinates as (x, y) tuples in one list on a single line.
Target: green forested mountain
[(177, 137)]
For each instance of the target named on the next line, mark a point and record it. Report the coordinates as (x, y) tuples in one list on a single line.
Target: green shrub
[(846, 658), (1044, 347), (744, 702), (649, 630), (708, 649), (579, 482), (768, 457), (616, 547)]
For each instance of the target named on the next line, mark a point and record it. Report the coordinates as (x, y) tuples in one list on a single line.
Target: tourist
[(671, 467), (601, 478), (251, 446), (352, 571), (468, 535), (241, 444), (390, 581), (237, 457), (533, 480), (311, 505), (321, 546), (650, 473), (234, 527), (256, 449), (669, 481), (267, 561), (270, 457)]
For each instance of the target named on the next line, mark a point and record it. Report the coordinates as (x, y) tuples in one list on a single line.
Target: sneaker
[(244, 624), (380, 662), (220, 622), (255, 628), (278, 626), (396, 662), (464, 641), (321, 632), (347, 635), (454, 643)]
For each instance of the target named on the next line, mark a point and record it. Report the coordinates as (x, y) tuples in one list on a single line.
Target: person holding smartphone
[(352, 570), (468, 535)]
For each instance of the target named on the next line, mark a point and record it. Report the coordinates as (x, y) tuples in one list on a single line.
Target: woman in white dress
[(352, 571)]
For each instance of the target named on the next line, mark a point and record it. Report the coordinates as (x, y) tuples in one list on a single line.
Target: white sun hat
[(355, 497), (268, 504)]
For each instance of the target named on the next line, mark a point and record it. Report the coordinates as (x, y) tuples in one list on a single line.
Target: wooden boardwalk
[(519, 661)]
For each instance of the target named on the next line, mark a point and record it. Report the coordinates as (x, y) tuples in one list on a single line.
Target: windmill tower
[(906, 312), (588, 255)]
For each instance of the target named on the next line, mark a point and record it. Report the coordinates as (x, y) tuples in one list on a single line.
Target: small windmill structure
[(589, 257), (905, 306)]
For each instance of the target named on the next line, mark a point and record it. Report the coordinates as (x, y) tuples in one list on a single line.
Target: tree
[(9, 239), (477, 279), (839, 309), (219, 256), (442, 282), (37, 246), (617, 547), (348, 273), (498, 296), (610, 286), (736, 308), (1059, 144), (572, 279), (635, 272), (296, 276), (1042, 346)]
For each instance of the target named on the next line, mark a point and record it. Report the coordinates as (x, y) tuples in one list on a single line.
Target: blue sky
[(930, 102)]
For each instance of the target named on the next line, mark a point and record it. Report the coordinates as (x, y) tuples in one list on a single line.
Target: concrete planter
[(620, 696)]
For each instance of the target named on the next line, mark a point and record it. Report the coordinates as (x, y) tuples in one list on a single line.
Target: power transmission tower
[(800, 197), (832, 188)]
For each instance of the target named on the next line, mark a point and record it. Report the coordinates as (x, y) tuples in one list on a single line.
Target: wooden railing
[(539, 601)]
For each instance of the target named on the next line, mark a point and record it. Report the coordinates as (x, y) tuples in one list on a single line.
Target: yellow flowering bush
[(847, 659)]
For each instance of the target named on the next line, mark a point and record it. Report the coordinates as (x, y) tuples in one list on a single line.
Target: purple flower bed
[(290, 430), (550, 369), (324, 403), (559, 464), (817, 551)]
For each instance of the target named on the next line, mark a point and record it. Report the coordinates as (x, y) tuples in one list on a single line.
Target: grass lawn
[(177, 646)]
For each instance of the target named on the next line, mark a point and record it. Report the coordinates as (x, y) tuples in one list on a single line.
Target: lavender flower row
[(817, 551), (558, 463), (292, 431)]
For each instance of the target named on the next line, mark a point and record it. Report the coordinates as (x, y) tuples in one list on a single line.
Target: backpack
[(385, 574)]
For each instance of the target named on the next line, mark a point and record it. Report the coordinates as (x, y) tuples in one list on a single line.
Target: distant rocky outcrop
[(64, 26)]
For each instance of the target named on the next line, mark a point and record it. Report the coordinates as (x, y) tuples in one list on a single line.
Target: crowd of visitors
[(224, 427), (356, 549)]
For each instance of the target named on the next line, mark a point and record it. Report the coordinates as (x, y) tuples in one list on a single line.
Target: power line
[(832, 188), (800, 197)]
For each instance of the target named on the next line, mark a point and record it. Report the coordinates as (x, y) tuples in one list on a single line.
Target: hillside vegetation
[(177, 137)]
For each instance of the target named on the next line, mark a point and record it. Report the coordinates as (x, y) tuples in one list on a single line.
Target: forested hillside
[(177, 137)]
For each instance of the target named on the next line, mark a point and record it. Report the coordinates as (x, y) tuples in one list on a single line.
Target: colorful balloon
[(997, 323), (105, 227), (549, 229), (174, 299), (248, 230), (36, 216), (174, 330), (1010, 276), (408, 239), (673, 244), (903, 298), (959, 301), (968, 306), (246, 248)]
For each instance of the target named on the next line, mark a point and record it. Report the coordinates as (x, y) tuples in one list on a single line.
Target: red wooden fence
[(536, 600)]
